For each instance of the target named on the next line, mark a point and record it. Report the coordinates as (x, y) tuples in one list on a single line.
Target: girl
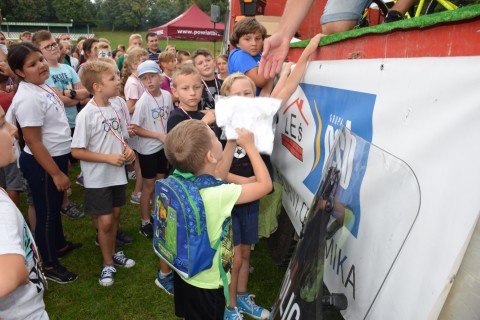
[(222, 66), (44, 160), (133, 90), (89, 52)]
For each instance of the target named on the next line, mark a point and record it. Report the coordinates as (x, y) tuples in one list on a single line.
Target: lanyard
[(208, 90), (159, 109), (54, 95), (120, 138), (185, 112)]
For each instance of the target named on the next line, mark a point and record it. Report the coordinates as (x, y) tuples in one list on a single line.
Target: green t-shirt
[(218, 202)]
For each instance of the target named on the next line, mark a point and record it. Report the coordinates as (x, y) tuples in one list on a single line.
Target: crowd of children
[(139, 113)]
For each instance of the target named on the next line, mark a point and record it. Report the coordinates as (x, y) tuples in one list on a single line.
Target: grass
[(134, 294), (120, 37)]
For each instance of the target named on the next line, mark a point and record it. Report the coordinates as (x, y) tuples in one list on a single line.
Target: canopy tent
[(193, 24)]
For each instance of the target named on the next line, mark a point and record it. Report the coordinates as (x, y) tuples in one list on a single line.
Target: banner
[(399, 262)]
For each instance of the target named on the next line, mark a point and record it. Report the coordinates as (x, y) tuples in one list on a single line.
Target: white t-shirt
[(39, 106), (101, 130), (120, 102), (26, 302), (151, 113)]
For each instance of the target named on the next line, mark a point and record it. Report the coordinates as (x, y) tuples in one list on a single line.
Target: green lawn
[(120, 37), (134, 294)]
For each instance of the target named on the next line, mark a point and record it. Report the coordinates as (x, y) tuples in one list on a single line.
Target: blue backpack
[(180, 228)]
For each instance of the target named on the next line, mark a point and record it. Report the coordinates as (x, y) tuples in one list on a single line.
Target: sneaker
[(79, 180), (120, 260), (59, 274), (166, 283), (118, 243), (123, 237), (69, 192), (392, 16), (146, 230), (131, 175), (135, 198), (247, 306), (70, 247), (71, 211), (232, 314), (106, 276)]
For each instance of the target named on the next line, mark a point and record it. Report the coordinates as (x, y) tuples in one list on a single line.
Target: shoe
[(232, 314), (69, 192), (70, 247), (106, 276), (146, 230), (131, 175), (135, 198), (166, 283), (247, 306), (118, 243), (71, 211), (59, 274), (123, 237), (393, 16), (120, 260), (79, 180)]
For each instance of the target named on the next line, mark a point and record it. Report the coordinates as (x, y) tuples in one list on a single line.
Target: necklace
[(181, 108), (119, 137), (159, 110), (208, 90), (56, 99)]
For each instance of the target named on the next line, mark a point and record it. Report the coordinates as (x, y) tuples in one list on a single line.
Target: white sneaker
[(120, 260), (107, 275), (135, 198), (131, 175)]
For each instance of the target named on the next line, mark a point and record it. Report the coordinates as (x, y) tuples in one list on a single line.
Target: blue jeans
[(47, 201)]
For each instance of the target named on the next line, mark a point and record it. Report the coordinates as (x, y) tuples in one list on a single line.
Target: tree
[(78, 10)]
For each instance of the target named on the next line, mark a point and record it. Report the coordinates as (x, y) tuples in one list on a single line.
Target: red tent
[(193, 24)]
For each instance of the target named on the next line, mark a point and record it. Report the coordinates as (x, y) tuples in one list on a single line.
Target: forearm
[(259, 168), (142, 132), (234, 178), (13, 273), (293, 15), (221, 171)]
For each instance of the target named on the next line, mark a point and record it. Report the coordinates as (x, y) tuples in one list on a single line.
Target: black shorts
[(101, 201), (153, 164), (194, 303)]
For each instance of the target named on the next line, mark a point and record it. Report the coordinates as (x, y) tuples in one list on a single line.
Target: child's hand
[(313, 45), (61, 181), (209, 117), (129, 155), (131, 131), (245, 138), (116, 159)]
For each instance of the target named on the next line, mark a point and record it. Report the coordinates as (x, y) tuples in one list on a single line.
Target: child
[(247, 38), (150, 124), (89, 49), (44, 160), (133, 90), (222, 66), (171, 48), (245, 217), (99, 144), (187, 86), (183, 57), (168, 63), (22, 283), (203, 61), (191, 147)]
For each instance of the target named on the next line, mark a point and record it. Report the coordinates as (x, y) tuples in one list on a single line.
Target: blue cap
[(148, 66)]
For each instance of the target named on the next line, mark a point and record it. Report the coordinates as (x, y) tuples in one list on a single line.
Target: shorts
[(193, 303), (153, 164), (11, 177), (339, 10), (101, 201), (245, 223)]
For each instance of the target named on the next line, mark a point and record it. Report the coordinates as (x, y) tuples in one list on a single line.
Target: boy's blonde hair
[(246, 26), (166, 56), (184, 70), (133, 37), (228, 82), (170, 46), (92, 72), (187, 144)]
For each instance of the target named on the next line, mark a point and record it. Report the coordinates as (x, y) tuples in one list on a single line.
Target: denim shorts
[(339, 10), (245, 223)]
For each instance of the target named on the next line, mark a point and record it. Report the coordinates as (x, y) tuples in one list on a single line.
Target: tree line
[(127, 15)]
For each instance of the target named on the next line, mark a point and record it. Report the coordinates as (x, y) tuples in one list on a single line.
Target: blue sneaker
[(247, 306), (166, 283), (232, 314)]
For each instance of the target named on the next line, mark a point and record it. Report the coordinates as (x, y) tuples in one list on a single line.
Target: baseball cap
[(148, 66)]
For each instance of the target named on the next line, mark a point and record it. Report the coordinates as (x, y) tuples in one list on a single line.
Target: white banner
[(400, 264)]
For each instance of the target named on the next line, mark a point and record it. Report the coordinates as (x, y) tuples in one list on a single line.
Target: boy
[(187, 86), (66, 84), (203, 61), (192, 147), (168, 63), (183, 57), (150, 125), (247, 38), (99, 144)]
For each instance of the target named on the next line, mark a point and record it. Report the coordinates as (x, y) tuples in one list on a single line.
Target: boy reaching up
[(192, 147), (99, 144)]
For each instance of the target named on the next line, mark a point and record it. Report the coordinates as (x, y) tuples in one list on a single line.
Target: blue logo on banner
[(333, 108)]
